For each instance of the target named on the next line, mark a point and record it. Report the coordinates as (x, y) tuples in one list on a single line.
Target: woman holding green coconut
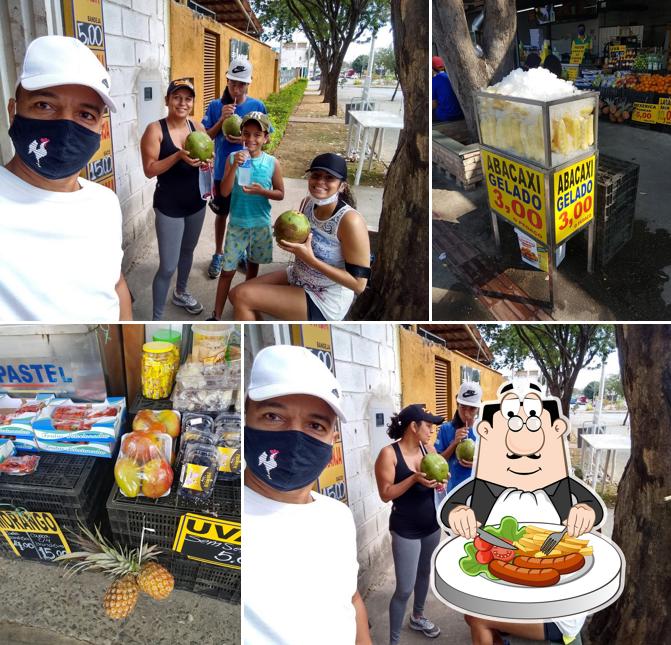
[(179, 208)]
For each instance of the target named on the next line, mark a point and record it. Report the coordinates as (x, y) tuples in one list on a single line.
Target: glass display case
[(548, 134)]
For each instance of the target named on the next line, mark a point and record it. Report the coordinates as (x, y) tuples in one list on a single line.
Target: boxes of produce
[(104, 449), (70, 488), (65, 421), (168, 517), (207, 387)]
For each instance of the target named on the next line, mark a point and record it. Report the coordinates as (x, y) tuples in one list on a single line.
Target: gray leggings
[(177, 239), (412, 564)]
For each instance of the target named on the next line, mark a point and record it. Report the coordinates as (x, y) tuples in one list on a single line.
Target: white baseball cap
[(281, 370), (240, 69), (60, 60), (470, 393)]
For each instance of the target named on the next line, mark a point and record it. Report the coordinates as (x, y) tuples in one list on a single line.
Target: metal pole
[(369, 74), (495, 229), (597, 411)]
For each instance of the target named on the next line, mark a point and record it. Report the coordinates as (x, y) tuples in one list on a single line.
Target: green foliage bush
[(280, 106)]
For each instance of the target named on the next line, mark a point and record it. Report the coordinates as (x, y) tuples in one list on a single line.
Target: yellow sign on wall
[(317, 338), (516, 191), (574, 197), (83, 19)]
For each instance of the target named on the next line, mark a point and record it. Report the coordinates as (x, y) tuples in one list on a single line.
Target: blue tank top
[(251, 211)]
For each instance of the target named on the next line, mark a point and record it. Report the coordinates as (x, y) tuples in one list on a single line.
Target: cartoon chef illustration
[(522, 470)]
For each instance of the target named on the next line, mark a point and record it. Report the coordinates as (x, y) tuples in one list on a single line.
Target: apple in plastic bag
[(142, 446), (127, 476), (170, 421), (157, 478)]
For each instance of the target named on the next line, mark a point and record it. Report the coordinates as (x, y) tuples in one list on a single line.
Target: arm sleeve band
[(357, 271)]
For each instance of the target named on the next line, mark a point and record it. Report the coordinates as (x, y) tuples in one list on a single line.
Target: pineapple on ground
[(156, 581), (132, 570), (120, 599)]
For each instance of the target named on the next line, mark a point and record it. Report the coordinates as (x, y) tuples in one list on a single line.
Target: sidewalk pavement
[(40, 607), (140, 274)]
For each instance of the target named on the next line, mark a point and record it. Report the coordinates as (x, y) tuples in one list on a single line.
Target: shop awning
[(462, 338), (237, 13)]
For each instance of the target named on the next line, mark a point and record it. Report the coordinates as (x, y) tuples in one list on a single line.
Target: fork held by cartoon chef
[(522, 470)]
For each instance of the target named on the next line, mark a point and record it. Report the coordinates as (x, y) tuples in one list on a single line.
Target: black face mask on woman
[(285, 459), (53, 148)]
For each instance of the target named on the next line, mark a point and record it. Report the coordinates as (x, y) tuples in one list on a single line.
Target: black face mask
[(53, 148), (285, 459)]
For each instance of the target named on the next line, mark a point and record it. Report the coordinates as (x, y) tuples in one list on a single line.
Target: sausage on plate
[(524, 575), (564, 563)]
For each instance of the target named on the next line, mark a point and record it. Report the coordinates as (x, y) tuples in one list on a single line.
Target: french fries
[(534, 537)]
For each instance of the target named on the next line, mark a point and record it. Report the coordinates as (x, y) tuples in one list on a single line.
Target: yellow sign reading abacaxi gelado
[(517, 193), (573, 197)]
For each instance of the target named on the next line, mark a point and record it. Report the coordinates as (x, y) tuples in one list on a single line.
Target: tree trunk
[(642, 525), (331, 90), (466, 70), (399, 283)]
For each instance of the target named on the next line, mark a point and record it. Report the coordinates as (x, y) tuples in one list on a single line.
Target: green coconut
[(435, 467), (466, 450), (292, 226), (231, 126), (199, 146)]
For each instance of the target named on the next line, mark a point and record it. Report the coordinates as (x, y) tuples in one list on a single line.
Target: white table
[(376, 120), (611, 443)]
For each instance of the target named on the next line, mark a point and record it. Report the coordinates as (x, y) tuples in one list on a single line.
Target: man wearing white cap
[(451, 433), (61, 258), (233, 101), (300, 547)]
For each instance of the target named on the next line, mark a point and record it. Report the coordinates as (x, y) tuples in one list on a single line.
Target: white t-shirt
[(300, 572), (61, 252)]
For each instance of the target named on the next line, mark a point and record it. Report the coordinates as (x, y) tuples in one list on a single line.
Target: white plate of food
[(581, 575)]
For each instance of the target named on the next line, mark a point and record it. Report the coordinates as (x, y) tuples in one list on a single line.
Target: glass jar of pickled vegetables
[(158, 369)]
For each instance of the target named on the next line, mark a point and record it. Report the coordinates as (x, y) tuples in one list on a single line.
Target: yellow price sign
[(574, 197), (517, 193), (617, 49), (577, 53), (645, 112), (664, 111), (572, 73)]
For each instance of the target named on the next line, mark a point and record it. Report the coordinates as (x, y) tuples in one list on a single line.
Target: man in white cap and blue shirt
[(300, 547), (61, 258), (234, 100), (451, 433)]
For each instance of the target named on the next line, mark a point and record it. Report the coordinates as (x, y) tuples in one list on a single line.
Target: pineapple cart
[(539, 160)]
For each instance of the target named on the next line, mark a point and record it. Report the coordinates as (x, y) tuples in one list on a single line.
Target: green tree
[(591, 390), (560, 351), (400, 280), (384, 57), (330, 27), (613, 387), (360, 63)]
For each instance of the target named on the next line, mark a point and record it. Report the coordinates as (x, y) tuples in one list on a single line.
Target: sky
[(383, 39), (585, 375)]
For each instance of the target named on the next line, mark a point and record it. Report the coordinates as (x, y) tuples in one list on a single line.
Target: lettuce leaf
[(508, 529)]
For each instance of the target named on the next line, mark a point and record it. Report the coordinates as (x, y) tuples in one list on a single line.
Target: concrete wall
[(187, 35), (366, 366), (418, 356), (137, 51)]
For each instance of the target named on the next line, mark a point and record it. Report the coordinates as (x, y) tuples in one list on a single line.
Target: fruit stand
[(539, 159), (147, 493)]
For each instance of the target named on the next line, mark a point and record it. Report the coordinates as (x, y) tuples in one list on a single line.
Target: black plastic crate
[(142, 403), (128, 516), (613, 233), (617, 184), (70, 487)]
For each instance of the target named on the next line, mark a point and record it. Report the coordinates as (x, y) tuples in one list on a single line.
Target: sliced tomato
[(481, 545), (483, 557), (506, 555)]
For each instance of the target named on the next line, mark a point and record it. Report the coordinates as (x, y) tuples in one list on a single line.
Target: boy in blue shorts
[(249, 222)]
